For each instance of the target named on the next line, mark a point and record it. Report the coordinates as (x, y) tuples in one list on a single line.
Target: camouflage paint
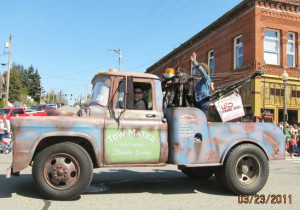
[(217, 138)]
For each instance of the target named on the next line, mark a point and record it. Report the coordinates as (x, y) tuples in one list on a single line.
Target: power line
[(176, 12), (143, 64), (63, 77), (3, 54), (87, 70), (137, 25), (142, 30)]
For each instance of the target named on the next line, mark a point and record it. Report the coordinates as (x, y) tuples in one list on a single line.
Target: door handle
[(150, 115)]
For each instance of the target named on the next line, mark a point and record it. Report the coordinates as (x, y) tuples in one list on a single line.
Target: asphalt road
[(151, 188)]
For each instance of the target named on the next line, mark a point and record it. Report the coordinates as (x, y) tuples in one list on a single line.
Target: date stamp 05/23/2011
[(265, 199)]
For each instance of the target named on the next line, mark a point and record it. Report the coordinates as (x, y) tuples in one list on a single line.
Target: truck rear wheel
[(197, 172), (62, 171), (246, 170)]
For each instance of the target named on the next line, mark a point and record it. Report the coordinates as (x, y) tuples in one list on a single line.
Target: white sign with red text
[(230, 107)]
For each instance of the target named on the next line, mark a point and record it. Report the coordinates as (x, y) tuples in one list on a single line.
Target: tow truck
[(63, 149)]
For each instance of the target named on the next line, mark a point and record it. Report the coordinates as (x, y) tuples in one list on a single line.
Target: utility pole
[(87, 93), (8, 70), (41, 86), (48, 97), (120, 56), (80, 99)]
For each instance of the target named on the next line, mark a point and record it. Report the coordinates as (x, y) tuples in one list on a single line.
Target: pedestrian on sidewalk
[(287, 136), (293, 146)]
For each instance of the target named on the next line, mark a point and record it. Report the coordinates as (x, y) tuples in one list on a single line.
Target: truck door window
[(147, 94)]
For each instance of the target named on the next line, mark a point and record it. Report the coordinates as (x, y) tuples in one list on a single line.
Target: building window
[(290, 49), (295, 93), (238, 52), (211, 62), (276, 92), (271, 47)]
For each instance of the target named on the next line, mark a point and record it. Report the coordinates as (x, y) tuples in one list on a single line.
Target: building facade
[(255, 34)]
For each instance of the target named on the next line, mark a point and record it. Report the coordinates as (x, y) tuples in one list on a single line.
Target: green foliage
[(24, 82), (27, 82), (2, 103), (15, 86)]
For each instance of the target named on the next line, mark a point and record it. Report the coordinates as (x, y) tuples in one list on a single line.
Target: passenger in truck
[(139, 101)]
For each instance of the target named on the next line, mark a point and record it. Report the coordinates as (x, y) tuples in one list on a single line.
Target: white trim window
[(290, 49), (211, 62), (238, 52), (271, 47)]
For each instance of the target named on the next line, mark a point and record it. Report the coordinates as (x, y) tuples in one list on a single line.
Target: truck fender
[(43, 136), (241, 141)]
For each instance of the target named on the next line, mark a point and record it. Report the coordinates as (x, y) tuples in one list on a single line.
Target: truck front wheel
[(197, 172), (62, 171), (245, 170)]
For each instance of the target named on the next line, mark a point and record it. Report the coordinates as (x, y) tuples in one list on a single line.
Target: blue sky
[(68, 41)]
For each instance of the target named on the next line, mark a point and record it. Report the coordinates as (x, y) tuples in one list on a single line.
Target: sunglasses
[(138, 92)]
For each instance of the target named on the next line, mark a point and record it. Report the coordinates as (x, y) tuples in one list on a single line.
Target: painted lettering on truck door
[(132, 136)]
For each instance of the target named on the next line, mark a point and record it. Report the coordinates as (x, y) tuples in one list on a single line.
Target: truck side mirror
[(130, 93)]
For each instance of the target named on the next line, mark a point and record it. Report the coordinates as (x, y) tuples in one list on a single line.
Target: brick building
[(255, 34)]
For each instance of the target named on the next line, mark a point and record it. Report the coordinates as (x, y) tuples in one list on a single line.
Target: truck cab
[(130, 136)]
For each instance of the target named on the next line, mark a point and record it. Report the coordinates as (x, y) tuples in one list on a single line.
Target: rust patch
[(176, 146), (270, 139), (249, 127), (59, 113)]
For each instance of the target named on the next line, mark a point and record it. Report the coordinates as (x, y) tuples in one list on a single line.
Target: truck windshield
[(4, 111), (100, 92)]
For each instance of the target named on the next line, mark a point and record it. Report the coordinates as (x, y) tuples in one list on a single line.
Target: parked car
[(18, 111), (58, 105), (53, 106)]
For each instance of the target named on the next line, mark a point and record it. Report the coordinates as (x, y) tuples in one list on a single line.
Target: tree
[(31, 81), (34, 89), (15, 86), (52, 96)]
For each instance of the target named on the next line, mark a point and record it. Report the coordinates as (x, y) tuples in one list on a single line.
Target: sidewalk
[(287, 155)]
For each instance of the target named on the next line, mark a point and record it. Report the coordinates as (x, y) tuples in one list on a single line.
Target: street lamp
[(285, 78)]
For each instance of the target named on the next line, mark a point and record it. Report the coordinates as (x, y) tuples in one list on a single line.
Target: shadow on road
[(159, 181), (116, 181), (22, 185)]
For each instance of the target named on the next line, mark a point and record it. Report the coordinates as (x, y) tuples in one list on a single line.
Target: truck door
[(132, 136)]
